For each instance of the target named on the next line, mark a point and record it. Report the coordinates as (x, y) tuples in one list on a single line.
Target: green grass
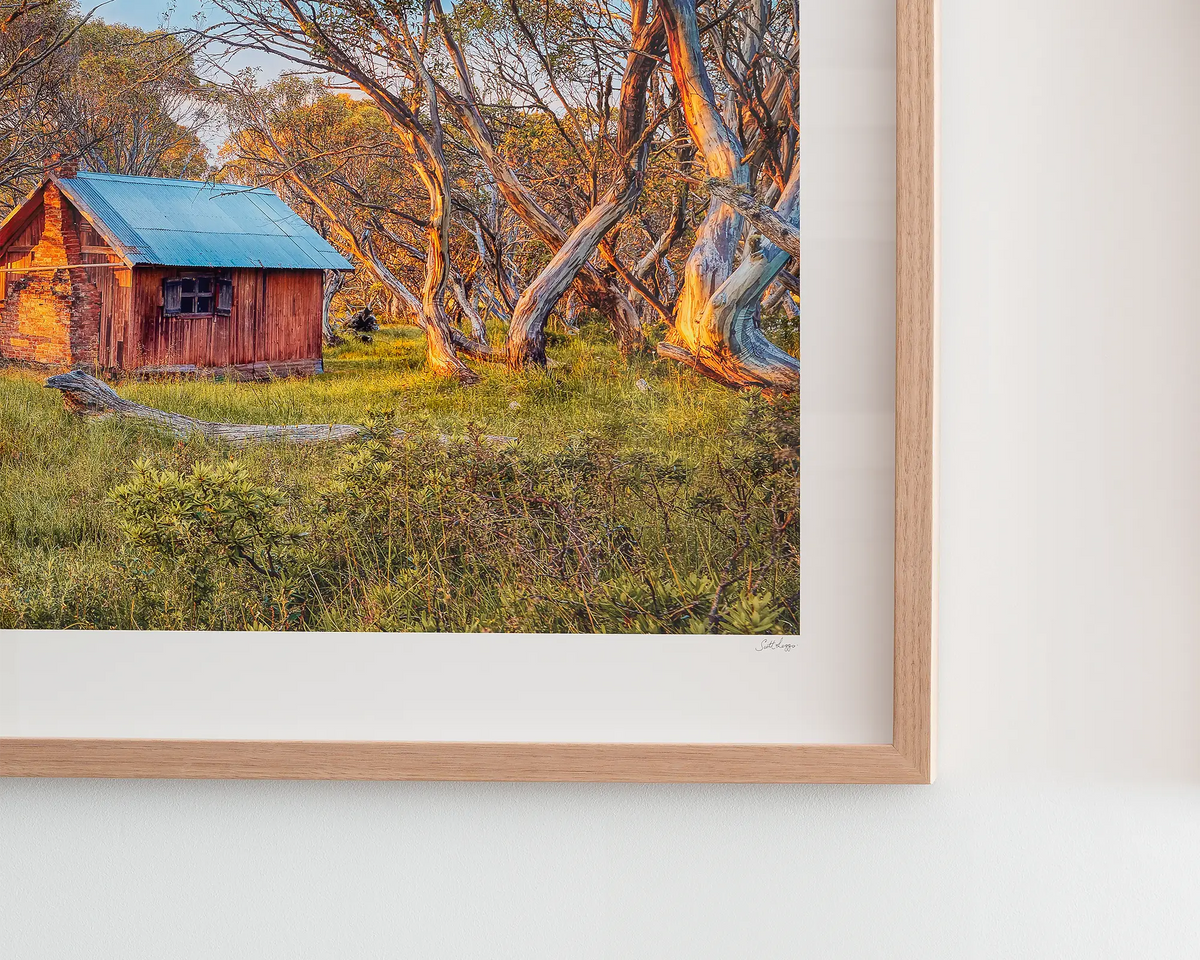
[(65, 559), (592, 390)]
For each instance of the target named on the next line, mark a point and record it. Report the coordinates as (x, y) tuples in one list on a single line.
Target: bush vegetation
[(664, 506)]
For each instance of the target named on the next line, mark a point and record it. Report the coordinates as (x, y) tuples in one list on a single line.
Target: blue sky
[(139, 13), (148, 14)]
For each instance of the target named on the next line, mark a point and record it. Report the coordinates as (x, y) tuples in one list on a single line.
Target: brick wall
[(52, 317)]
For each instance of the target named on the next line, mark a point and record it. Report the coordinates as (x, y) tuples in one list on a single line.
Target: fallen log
[(84, 394)]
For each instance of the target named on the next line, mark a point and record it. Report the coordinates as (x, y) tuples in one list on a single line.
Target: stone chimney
[(63, 169)]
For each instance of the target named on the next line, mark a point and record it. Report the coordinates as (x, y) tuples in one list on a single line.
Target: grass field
[(620, 509)]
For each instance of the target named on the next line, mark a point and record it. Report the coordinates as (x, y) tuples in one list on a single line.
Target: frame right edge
[(914, 718)]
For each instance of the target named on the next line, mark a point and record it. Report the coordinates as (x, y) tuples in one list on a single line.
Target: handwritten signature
[(775, 643)]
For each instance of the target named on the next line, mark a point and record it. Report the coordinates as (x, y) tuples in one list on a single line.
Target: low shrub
[(419, 533)]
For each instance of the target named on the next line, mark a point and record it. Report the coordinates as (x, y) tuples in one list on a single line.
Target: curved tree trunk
[(439, 346), (477, 350), (596, 290), (397, 292), (425, 147), (765, 220), (493, 256), (729, 343), (436, 177), (733, 312), (607, 299), (527, 331), (478, 327), (571, 313), (648, 265), (334, 281), (442, 354), (716, 319)]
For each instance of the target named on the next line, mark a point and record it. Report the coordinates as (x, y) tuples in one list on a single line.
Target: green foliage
[(650, 605), (213, 514)]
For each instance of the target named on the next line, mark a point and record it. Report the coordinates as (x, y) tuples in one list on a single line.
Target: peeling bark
[(731, 344), (716, 318), (764, 219)]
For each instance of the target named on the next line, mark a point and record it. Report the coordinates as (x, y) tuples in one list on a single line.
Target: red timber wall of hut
[(274, 327)]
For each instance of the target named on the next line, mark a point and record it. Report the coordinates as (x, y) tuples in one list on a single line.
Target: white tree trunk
[(334, 281), (527, 331)]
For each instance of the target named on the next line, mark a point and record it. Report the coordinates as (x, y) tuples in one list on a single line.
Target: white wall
[(1066, 820)]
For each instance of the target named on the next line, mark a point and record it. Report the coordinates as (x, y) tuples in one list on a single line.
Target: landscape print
[(343, 315)]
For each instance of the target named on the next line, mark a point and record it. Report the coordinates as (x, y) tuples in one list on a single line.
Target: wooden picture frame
[(909, 758)]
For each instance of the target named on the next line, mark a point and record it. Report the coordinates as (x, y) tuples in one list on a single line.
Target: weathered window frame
[(219, 296)]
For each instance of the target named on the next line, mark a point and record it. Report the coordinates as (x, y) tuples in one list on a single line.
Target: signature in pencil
[(775, 643)]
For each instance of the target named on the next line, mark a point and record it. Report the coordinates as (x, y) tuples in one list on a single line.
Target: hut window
[(189, 296)]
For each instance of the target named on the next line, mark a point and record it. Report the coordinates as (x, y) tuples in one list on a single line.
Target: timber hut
[(123, 274)]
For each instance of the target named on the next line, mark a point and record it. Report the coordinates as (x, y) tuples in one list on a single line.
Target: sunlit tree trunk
[(716, 318), (435, 175), (596, 290), (424, 144), (527, 331), (439, 342), (442, 355)]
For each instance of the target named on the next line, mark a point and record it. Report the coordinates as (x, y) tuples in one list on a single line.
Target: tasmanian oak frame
[(909, 758)]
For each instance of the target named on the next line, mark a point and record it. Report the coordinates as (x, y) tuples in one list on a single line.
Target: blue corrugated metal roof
[(187, 223)]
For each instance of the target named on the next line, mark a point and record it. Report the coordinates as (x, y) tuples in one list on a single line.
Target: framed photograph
[(471, 392)]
